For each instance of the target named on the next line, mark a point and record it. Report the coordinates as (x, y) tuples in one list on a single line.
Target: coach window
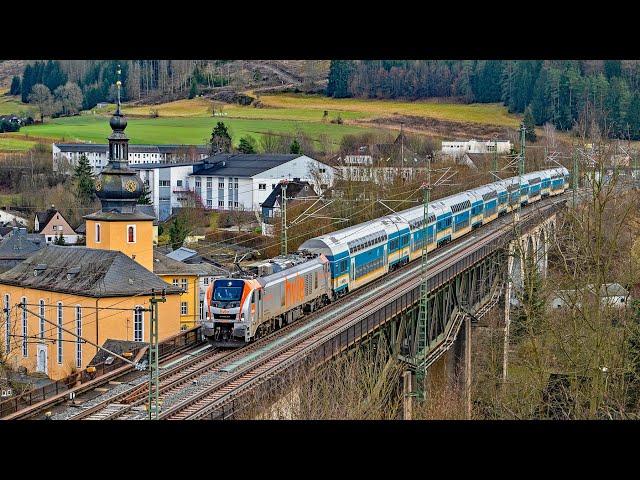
[(97, 233)]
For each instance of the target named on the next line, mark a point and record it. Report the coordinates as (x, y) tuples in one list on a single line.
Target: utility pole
[(574, 179), (401, 144), (154, 374), (521, 166), (517, 251), (423, 312), (494, 167), (283, 216)]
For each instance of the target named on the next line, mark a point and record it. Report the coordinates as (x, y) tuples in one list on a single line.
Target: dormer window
[(72, 272), (39, 268)]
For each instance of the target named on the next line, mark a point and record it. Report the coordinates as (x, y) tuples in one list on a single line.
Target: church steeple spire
[(118, 187)]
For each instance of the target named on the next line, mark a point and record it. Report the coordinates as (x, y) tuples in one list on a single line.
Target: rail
[(34, 400)]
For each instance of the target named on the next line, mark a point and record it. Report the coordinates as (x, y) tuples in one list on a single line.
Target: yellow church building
[(62, 297)]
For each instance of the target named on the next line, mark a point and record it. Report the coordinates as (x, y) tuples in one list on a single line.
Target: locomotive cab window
[(227, 290)]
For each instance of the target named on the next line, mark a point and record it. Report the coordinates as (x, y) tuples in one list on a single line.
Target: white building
[(11, 217), (67, 155), (168, 185), (228, 181), (459, 147), (378, 175), (612, 295)]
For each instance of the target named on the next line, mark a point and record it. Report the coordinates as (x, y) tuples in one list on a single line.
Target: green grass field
[(10, 104), (178, 130), (190, 121), (8, 144)]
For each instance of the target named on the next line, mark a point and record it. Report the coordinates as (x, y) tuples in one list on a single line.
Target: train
[(280, 290)]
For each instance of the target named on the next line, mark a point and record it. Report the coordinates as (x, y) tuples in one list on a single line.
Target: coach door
[(353, 269)]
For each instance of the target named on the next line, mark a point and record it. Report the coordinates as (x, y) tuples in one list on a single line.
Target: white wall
[(474, 146), (250, 197), (9, 217), (99, 160)]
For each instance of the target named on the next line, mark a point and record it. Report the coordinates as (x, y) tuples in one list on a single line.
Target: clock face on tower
[(131, 186)]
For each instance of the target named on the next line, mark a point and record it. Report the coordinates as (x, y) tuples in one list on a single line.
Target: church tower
[(119, 225)]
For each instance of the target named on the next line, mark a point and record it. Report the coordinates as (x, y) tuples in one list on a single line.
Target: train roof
[(299, 269)]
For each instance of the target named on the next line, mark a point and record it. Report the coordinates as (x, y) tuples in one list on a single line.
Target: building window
[(41, 312), (220, 182), (7, 326), (206, 280), (184, 284), (235, 204), (59, 341), (235, 183), (78, 336), (198, 183), (209, 182), (201, 310), (131, 234), (97, 233), (262, 186), (183, 308), (174, 281), (209, 203), (179, 183), (230, 204), (25, 345), (221, 203), (165, 183), (138, 324), (322, 170)]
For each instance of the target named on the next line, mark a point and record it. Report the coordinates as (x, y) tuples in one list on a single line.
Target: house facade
[(51, 223)]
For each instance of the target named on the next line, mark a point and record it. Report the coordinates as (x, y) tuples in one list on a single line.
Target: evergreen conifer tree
[(178, 231), (193, 91), (145, 196), (529, 125), (295, 147), (15, 86), (83, 179), (220, 139), (247, 144)]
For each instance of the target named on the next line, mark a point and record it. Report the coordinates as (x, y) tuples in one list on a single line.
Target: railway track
[(234, 378)]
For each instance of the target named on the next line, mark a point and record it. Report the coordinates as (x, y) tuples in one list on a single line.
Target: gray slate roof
[(164, 265), (182, 253), (294, 189), (18, 244), (241, 165), (102, 273)]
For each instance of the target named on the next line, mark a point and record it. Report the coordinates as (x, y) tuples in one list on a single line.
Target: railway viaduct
[(469, 279)]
